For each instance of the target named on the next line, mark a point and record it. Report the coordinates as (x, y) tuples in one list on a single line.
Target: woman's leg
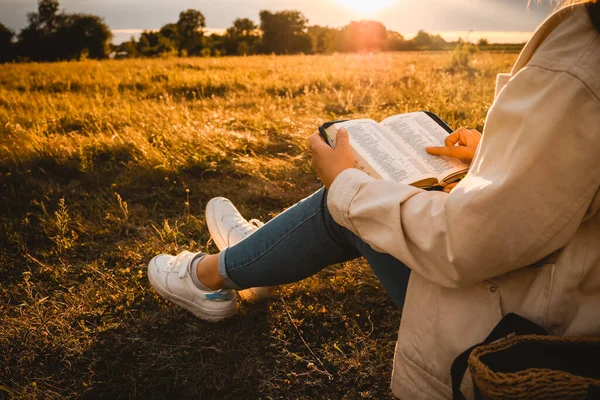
[(300, 242)]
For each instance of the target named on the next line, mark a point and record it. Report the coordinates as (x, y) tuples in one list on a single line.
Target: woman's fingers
[(460, 152), (342, 139), (452, 139), (328, 162), (461, 144), (316, 141), (460, 137)]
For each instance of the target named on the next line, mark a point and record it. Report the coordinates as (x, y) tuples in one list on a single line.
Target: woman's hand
[(461, 144), (328, 162)]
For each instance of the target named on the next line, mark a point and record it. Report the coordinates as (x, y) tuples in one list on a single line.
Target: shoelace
[(256, 223), (247, 227), (179, 259)]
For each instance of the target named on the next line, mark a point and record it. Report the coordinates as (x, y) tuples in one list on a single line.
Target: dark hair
[(594, 11)]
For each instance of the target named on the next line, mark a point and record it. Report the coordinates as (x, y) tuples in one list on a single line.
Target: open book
[(394, 149)]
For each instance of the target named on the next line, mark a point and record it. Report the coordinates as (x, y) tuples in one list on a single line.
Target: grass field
[(105, 164)]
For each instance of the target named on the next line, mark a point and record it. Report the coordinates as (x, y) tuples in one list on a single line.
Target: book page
[(390, 162), (415, 131)]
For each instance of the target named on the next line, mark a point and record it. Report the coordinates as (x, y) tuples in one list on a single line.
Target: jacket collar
[(541, 33)]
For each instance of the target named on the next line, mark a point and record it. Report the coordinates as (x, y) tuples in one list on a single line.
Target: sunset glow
[(367, 7)]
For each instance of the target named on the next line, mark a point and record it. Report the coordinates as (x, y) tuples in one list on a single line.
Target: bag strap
[(511, 325)]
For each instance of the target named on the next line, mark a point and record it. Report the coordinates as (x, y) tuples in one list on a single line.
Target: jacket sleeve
[(527, 191)]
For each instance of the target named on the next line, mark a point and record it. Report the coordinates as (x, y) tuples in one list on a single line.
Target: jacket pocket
[(527, 291)]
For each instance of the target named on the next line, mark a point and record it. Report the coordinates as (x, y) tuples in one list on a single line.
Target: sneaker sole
[(197, 310)]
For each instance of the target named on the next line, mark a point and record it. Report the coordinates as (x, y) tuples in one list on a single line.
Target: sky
[(499, 20)]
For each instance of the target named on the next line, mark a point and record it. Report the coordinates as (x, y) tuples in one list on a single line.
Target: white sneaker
[(227, 227), (170, 277)]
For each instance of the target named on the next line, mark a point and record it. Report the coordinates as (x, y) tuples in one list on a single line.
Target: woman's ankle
[(207, 272)]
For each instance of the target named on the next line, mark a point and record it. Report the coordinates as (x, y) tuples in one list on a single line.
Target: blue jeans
[(300, 242)]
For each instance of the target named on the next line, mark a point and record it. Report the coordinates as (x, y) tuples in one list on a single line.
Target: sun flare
[(367, 7)]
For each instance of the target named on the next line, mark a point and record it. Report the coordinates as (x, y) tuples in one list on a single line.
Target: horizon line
[(508, 37)]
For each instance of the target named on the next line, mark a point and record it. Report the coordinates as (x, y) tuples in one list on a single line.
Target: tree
[(152, 44), (144, 44), (425, 41), (129, 47), (47, 13), (243, 48), (284, 32), (190, 25), (242, 38), (216, 43), (363, 36), (482, 43), (83, 34), (242, 27), (324, 39), (396, 42), (7, 46), (170, 32), (37, 40), (51, 36)]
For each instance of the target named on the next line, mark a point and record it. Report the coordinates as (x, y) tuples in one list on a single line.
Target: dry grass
[(96, 160)]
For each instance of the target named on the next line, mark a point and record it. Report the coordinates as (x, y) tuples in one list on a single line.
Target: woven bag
[(518, 360), (537, 367)]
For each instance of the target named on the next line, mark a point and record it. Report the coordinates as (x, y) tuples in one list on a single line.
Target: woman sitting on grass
[(520, 233)]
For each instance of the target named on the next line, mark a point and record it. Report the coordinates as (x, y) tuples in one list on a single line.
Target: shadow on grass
[(273, 349), (167, 353)]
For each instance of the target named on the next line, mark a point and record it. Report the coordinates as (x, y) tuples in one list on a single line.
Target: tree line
[(282, 32), (52, 35)]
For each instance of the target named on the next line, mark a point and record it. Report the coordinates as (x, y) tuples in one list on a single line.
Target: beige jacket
[(521, 233)]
